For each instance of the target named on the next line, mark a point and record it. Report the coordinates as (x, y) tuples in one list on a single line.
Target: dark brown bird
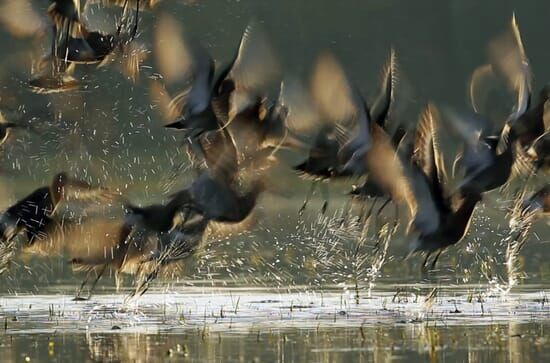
[(147, 240), (439, 220), (380, 111), (216, 193), (91, 47), (209, 102), (34, 214), (508, 57)]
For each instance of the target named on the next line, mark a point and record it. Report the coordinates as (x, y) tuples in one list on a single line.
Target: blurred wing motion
[(381, 107), (253, 68), (76, 190)]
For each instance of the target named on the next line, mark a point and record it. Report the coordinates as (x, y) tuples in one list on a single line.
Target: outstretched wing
[(183, 61), (381, 107)]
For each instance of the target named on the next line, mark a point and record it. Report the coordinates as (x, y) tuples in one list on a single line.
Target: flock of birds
[(233, 131)]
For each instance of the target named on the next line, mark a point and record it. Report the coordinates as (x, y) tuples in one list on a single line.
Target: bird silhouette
[(439, 220), (34, 214)]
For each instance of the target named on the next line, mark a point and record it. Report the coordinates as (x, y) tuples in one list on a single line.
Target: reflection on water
[(511, 342), (413, 323)]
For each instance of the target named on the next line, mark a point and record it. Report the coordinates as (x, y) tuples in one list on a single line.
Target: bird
[(490, 161), (216, 193), (209, 102), (34, 215), (526, 210), (439, 220), (138, 225), (338, 109), (380, 111), (66, 19), (483, 166), (93, 47), (130, 248), (179, 244), (508, 57)]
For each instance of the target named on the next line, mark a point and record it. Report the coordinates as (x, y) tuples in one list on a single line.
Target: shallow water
[(210, 324)]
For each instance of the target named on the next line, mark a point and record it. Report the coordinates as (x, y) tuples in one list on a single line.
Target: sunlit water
[(203, 323)]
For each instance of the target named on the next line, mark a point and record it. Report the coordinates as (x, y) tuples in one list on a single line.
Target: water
[(291, 288), (208, 324)]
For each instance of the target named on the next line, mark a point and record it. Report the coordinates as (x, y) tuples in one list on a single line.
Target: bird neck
[(56, 192)]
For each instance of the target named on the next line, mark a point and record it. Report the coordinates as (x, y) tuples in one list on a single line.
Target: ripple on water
[(239, 311)]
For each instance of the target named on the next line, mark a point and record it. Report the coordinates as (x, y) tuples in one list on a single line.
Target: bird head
[(8, 229), (59, 183)]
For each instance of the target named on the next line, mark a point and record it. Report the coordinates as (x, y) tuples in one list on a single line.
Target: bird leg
[(77, 297), (195, 154), (79, 292), (324, 194), (434, 261), (396, 216), (345, 212), (363, 217), (119, 27), (135, 29), (150, 277), (425, 263), (308, 197), (96, 280), (144, 285), (67, 33), (382, 207), (379, 212), (118, 280)]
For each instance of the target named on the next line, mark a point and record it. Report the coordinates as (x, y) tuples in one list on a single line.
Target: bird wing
[(487, 94), (386, 169), (77, 190), (256, 62), (389, 77), (340, 105), (429, 159), (101, 241), (546, 116), (477, 154), (507, 54), (183, 60), (220, 154), (523, 165), (302, 118)]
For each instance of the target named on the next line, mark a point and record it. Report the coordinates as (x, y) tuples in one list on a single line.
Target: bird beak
[(78, 184)]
